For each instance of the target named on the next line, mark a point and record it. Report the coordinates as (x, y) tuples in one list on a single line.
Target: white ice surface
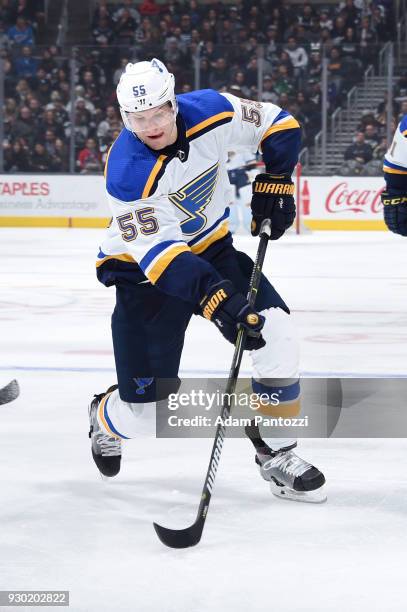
[(63, 528)]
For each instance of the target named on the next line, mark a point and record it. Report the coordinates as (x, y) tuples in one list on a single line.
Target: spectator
[(49, 122), (172, 52), (371, 135), (89, 158), (149, 8), (35, 108), (10, 111), (118, 72), (29, 9), (49, 142), (315, 65), (40, 160), (380, 150), (143, 33), (110, 123), (252, 73), (4, 39), (61, 156), (367, 38), (26, 65), (268, 94), (204, 73), (42, 86), (24, 127), (403, 111), (325, 22), (128, 6), (379, 25), (21, 33), (335, 68), (349, 46), (16, 157), (102, 11), (283, 83), (239, 81), (359, 151), (7, 12), (103, 33), (350, 13), (272, 44), (220, 74), (306, 17), (125, 28), (339, 30), (9, 79), (298, 56)]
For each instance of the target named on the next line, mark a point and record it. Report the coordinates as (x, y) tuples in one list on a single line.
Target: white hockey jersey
[(167, 212), (395, 160)]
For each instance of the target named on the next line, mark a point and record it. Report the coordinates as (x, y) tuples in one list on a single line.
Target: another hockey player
[(394, 198), (170, 255)]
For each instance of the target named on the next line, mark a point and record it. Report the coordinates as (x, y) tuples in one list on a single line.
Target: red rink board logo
[(24, 188), (343, 198)]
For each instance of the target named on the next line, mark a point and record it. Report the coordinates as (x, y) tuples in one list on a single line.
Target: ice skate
[(290, 477), (106, 450)]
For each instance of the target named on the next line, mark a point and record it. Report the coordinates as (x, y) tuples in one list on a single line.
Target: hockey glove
[(228, 309), (395, 212), (273, 198)]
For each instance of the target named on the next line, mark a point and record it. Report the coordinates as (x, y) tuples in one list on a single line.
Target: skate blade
[(310, 497)]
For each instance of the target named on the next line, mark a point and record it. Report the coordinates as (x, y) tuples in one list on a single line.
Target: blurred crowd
[(365, 155), (218, 41)]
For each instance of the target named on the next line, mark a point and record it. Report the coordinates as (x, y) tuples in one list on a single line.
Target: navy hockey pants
[(148, 326)]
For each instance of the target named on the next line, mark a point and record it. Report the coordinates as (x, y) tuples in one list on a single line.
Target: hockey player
[(170, 255), (394, 198)]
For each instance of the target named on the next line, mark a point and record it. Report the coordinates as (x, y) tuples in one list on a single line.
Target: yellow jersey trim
[(106, 162), (121, 257), (393, 170), (279, 127), (204, 124), (221, 232), (163, 262), (153, 175)]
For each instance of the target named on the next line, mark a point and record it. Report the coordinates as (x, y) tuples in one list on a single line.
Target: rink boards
[(325, 203)]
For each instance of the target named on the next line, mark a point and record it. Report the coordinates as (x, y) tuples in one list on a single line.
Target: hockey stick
[(183, 538), (9, 393)]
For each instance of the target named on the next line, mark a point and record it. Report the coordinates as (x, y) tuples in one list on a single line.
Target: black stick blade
[(10, 392), (180, 538)]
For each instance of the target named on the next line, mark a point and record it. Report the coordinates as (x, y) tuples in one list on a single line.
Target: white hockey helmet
[(143, 86)]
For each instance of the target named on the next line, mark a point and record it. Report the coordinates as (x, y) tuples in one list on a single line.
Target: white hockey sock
[(275, 369), (124, 419)]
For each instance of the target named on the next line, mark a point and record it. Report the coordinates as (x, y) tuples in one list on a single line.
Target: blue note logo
[(194, 197), (142, 383)]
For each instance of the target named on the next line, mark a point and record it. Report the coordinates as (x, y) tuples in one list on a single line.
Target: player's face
[(155, 127)]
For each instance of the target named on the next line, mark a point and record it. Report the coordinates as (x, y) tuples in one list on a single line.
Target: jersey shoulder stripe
[(283, 121), (204, 110), (403, 126), (132, 170)]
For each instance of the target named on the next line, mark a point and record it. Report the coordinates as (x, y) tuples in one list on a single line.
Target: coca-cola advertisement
[(341, 202)]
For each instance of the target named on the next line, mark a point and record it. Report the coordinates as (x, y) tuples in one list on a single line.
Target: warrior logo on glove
[(232, 310), (273, 198)]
